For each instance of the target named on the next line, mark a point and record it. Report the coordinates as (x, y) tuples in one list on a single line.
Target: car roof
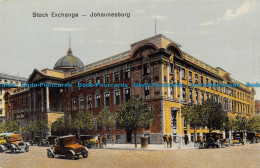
[(6, 133), (67, 136)]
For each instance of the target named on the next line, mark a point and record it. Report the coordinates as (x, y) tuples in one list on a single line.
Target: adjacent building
[(155, 60), (7, 79), (257, 107)]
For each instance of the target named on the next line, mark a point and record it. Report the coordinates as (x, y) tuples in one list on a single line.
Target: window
[(174, 118), (202, 97), (127, 73), (73, 88), (97, 80), (201, 79), (146, 69), (107, 99), (1, 102), (211, 84), (89, 81), (1, 111), (146, 92), (97, 99), (74, 104), (190, 95), (1, 91), (116, 76), (183, 73), (89, 100), (81, 102), (196, 78), (127, 94), (106, 78), (196, 97), (171, 68), (183, 93), (190, 76), (117, 97), (80, 83), (171, 92)]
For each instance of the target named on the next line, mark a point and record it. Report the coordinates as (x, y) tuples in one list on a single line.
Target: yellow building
[(4, 80)]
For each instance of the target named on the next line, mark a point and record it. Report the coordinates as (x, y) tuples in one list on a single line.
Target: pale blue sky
[(222, 33)]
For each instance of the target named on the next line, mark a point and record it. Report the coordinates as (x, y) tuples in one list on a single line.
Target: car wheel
[(49, 154), (13, 150), (84, 153), (70, 156), (26, 148), (92, 145)]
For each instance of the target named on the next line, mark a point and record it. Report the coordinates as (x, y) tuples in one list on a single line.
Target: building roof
[(69, 61), (12, 77)]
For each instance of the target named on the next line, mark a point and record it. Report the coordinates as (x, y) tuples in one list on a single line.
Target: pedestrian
[(170, 141), (186, 139), (104, 140), (165, 140), (113, 139)]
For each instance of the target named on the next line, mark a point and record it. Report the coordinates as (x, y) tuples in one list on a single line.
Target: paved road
[(232, 157)]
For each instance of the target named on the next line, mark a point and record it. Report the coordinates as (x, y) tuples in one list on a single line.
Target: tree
[(83, 121), (105, 118), (62, 125), (254, 124), (192, 115), (134, 115), (241, 123), (213, 116), (10, 126)]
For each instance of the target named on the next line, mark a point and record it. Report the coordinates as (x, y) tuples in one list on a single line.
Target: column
[(47, 99), (168, 80), (42, 99), (34, 101), (162, 101)]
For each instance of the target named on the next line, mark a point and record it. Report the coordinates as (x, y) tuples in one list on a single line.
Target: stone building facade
[(155, 60)]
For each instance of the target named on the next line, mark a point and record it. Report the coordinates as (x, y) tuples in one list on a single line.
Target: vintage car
[(51, 139), (238, 137), (253, 137), (211, 140), (66, 145), (37, 140), (90, 141), (13, 142)]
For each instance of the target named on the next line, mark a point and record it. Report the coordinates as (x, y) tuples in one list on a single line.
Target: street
[(231, 157)]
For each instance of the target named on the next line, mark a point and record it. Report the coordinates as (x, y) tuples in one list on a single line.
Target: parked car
[(211, 140), (37, 140), (66, 145), (51, 139), (13, 142), (253, 137), (238, 137), (90, 141)]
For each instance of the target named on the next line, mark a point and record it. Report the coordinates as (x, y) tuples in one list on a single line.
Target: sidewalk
[(150, 147)]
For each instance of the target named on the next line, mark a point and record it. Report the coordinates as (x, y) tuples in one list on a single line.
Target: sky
[(221, 33)]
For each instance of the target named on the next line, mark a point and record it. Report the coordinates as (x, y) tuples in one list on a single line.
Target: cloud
[(67, 29), (243, 9), (230, 14), (210, 22)]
